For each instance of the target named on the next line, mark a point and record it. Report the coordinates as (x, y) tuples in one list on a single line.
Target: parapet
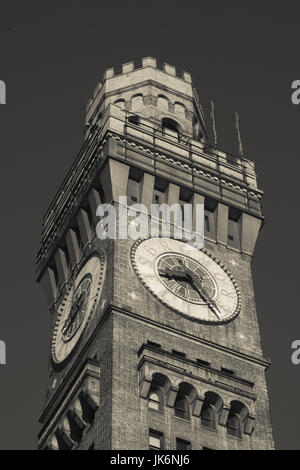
[(148, 62)]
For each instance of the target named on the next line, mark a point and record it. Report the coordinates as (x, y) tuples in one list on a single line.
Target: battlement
[(146, 62)]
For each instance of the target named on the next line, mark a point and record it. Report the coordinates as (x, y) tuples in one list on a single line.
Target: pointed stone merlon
[(172, 194), (49, 285), (73, 247), (172, 197), (84, 227), (249, 227), (94, 201), (197, 226), (147, 188), (114, 179), (61, 267), (222, 223)]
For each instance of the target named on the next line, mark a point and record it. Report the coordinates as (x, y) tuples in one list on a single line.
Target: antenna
[(212, 114), (237, 126), (200, 113)]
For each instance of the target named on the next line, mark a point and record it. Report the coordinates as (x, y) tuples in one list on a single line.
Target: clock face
[(77, 307), (186, 279)]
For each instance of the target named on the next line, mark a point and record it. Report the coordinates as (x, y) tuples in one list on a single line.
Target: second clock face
[(77, 307), (187, 279)]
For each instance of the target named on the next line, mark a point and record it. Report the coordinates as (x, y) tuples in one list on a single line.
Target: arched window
[(120, 103), (159, 387), (236, 420), (163, 102), (208, 416), (137, 102), (134, 119), (234, 425), (154, 402), (182, 406), (170, 128), (179, 108), (211, 409)]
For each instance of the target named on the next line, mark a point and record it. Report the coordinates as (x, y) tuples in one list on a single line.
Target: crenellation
[(128, 67), (187, 77), (109, 73), (169, 69), (149, 62)]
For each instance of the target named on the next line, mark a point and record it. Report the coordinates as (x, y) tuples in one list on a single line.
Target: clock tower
[(155, 343)]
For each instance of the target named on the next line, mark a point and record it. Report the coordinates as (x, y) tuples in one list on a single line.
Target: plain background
[(243, 55)]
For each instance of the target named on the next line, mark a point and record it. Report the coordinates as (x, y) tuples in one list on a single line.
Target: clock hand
[(200, 289), (173, 274), (203, 293), (192, 279), (73, 313)]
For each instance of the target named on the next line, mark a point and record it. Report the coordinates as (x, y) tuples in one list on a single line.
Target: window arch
[(185, 396), (120, 103), (134, 119), (211, 409), (159, 386), (179, 108), (236, 420), (182, 406), (163, 102), (170, 128), (208, 416), (137, 101), (234, 425)]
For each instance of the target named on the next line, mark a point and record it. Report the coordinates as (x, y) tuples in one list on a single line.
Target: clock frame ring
[(221, 265), (65, 306)]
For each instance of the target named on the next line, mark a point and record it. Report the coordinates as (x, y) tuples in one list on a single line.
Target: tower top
[(152, 93)]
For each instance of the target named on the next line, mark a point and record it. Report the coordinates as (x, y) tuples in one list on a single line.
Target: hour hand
[(173, 274), (203, 293)]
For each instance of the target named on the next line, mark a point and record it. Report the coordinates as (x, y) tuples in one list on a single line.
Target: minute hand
[(203, 293)]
